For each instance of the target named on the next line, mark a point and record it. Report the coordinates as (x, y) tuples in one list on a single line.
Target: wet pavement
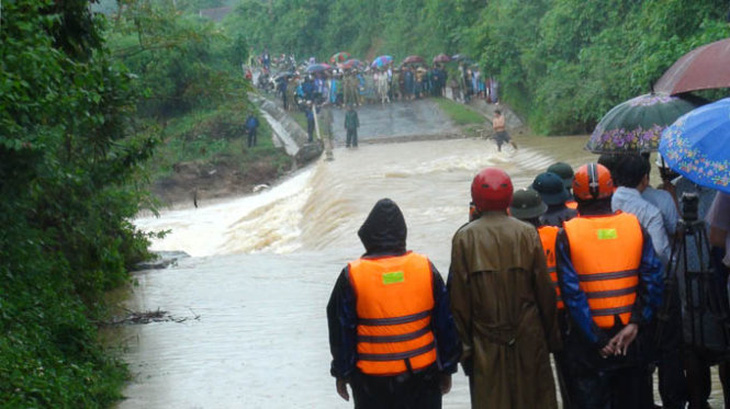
[(381, 122)]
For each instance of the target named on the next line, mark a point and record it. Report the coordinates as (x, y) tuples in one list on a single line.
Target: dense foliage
[(561, 63), (68, 160), (183, 62)]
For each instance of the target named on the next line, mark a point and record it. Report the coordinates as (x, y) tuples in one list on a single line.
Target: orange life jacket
[(394, 305), (606, 254), (548, 235), (572, 204)]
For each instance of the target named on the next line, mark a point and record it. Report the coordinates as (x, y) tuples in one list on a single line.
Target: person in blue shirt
[(252, 126)]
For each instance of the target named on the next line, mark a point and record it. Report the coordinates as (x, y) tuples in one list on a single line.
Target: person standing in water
[(500, 130), (352, 122)]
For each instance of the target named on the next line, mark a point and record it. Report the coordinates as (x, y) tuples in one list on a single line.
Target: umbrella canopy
[(637, 124), (352, 63), (413, 59), (382, 61), (705, 67), (318, 67), (285, 74), (340, 57), (697, 145), (441, 58)]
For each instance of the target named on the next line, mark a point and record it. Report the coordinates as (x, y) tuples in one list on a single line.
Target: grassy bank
[(204, 155), (460, 114)]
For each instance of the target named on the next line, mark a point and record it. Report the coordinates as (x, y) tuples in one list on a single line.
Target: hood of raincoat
[(384, 231)]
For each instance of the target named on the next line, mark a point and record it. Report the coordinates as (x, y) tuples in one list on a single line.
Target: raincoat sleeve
[(461, 303), (545, 296), (651, 284), (574, 298), (444, 329), (342, 323)]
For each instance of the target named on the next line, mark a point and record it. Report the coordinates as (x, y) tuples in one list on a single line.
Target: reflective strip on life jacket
[(548, 235), (394, 306), (606, 254)]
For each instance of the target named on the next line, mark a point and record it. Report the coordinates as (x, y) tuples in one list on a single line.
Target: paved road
[(403, 119)]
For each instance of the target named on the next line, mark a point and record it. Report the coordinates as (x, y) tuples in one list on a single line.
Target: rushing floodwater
[(263, 267)]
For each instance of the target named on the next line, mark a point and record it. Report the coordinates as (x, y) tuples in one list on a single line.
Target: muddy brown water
[(263, 267)]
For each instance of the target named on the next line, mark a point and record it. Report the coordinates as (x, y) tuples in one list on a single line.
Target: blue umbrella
[(382, 61), (318, 67), (697, 145)]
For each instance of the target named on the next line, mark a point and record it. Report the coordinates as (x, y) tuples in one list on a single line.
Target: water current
[(263, 266)]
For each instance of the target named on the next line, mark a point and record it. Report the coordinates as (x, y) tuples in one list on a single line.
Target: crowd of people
[(579, 264), (363, 83)]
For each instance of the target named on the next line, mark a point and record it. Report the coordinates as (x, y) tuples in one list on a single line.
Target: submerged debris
[(146, 317)]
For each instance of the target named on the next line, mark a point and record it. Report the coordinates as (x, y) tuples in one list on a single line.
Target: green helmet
[(527, 204)]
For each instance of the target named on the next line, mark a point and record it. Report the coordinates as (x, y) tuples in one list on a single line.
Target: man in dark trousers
[(252, 125), (392, 336), (310, 121), (351, 124)]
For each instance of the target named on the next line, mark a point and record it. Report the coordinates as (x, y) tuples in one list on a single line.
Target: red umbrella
[(413, 59), (706, 67), (441, 58)]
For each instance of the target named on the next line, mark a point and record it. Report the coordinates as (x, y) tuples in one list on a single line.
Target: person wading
[(503, 302), (392, 336), (500, 131)]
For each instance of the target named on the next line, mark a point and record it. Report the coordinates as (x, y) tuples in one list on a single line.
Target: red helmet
[(491, 189), (592, 181)]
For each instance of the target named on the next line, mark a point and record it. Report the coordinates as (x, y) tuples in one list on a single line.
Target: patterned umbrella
[(441, 58), (637, 124), (318, 67), (697, 145), (340, 57), (382, 61), (352, 63), (413, 59)]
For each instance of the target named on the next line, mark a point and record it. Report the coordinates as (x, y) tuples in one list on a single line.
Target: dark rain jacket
[(556, 215), (352, 122), (383, 234), (505, 309)]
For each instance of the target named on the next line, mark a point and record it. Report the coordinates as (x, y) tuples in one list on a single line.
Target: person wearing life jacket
[(552, 191), (503, 303), (566, 173), (392, 335), (528, 207), (611, 283)]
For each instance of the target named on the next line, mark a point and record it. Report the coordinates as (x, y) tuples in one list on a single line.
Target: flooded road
[(263, 267)]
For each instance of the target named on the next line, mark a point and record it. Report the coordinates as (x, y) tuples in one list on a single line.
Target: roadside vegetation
[(562, 64), (196, 98), (460, 114), (70, 157), (93, 110)]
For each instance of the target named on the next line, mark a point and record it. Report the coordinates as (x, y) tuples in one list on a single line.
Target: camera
[(690, 203)]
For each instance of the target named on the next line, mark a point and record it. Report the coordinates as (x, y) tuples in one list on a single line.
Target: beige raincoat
[(504, 305)]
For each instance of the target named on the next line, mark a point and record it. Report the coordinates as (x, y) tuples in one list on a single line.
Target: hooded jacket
[(384, 234)]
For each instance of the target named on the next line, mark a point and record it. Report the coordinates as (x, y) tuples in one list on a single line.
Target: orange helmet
[(592, 182), (491, 189)]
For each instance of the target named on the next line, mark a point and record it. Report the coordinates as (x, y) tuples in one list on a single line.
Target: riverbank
[(204, 157)]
